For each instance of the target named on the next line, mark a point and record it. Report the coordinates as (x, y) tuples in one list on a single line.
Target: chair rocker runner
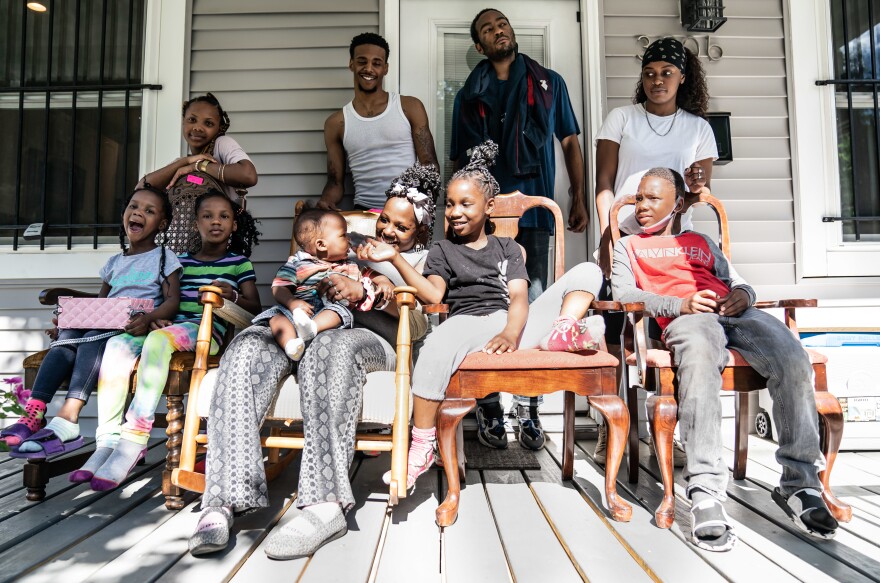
[(531, 373), (658, 372)]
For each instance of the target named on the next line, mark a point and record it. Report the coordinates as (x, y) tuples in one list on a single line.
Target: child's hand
[(158, 324), (53, 332), (702, 302), (384, 289), (139, 325), (734, 303), (500, 344), (301, 305), (228, 292), (374, 250), (190, 166)]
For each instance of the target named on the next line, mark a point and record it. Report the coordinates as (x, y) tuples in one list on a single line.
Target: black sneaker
[(531, 434), (491, 431), (808, 512)]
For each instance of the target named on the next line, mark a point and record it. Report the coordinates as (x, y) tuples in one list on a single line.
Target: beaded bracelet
[(222, 168), (235, 299)]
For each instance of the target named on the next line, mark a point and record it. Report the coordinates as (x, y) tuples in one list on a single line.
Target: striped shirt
[(232, 269)]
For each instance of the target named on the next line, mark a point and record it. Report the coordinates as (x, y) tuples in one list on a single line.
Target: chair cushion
[(378, 405), (538, 359), (658, 358)]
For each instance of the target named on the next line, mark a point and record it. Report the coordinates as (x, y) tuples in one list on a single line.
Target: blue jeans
[(81, 362), (699, 344)]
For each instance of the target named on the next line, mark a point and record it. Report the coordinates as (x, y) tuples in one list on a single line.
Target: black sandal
[(710, 512), (808, 512)]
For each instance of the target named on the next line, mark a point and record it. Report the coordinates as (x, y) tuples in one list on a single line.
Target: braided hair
[(477, 173), (244, 237), (420, 185), (162, 236), (210, 99)]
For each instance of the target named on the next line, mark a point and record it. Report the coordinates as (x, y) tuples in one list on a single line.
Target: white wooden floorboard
[(80, 562), (664, 554), (472, 546), (525, 532), (411, 551)]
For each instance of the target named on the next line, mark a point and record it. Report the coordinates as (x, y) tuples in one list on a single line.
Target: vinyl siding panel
[(749, 81), (280, 69)]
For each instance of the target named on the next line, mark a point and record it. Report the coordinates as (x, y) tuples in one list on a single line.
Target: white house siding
[(749, 82), (279, 68)]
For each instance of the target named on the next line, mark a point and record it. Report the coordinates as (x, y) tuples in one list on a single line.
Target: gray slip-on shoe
[(211, 536), (304, 535)]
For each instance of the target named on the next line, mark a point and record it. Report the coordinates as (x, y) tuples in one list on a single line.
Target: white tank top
[(378, 148)]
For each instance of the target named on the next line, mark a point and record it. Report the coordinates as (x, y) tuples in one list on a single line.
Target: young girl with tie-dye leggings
[(227, 233)]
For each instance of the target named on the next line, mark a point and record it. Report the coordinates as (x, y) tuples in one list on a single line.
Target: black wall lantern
[(702, 15)]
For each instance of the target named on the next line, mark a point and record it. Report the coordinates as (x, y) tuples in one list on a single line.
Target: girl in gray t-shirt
[(143, 270)]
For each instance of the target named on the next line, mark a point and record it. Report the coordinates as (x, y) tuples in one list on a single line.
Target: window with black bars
[(856, 42), (70, 107)]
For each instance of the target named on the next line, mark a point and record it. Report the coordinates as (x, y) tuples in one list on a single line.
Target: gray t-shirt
[(137, 276)]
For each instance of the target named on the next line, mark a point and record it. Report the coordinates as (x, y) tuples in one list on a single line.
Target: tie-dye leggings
[(119, 359)]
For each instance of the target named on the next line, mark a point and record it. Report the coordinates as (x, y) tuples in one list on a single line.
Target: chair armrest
[(786, 304), (436, 308), (49, 297)]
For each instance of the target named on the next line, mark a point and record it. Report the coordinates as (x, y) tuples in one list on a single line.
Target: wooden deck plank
[(792, 554), (81, 561), (663, 555), (525, 532), (411, 551), (847, 547), (862, 463), (351, 557), (39, 516), (585, 530), (85, 521), (11, 484), (248, 532), (472, 549), (11, 466)]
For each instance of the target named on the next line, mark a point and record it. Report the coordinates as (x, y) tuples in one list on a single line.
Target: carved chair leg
[(632, 403), (741, 435), (448, 419), (174, 431), (662, 425), (617, 420), (831, 417), (568, 436)]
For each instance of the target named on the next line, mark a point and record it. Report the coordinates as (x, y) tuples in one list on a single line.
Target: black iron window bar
[(49, 89), (848, 83)]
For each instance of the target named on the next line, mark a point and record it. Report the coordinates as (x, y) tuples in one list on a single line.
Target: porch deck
[(513, 526)]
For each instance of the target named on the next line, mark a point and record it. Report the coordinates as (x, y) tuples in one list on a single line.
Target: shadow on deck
[(513, 525)]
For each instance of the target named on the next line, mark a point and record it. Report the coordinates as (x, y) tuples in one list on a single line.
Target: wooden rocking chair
[(534, 372), (282, 435), (738, 376)]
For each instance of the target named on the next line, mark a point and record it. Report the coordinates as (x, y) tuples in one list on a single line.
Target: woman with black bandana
[(666, 127)]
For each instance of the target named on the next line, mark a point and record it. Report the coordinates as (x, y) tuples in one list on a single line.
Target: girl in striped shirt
[(227, 233)]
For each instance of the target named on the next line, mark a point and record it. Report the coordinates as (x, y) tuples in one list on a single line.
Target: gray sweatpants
[(699, 344), (448, 344)]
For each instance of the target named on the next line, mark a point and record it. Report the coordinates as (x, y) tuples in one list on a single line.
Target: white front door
[(437, 55)]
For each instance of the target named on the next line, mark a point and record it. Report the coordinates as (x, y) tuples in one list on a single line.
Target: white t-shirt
[(689, 140)]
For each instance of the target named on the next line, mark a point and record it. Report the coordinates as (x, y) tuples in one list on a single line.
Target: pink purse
[(99, 313)]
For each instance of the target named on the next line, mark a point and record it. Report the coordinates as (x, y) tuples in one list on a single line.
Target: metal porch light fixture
[(702, 15), (37, 6)]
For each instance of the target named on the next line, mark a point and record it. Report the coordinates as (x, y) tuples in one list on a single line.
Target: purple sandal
[(52, 445), (19, 431)]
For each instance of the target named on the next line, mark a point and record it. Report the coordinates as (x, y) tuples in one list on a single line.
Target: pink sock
[(34, 412), (421, 453)]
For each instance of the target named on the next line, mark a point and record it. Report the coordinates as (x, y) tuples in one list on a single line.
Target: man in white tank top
[(380, 134)]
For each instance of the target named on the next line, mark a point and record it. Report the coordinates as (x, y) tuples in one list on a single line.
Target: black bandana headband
[(668, 50)]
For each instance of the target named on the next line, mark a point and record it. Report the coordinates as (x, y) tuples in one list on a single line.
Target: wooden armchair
[(534, 372), (284, 414), (37, 473), (658, 373)]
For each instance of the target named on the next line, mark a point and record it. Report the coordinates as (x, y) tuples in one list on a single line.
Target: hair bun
[(483, 155)]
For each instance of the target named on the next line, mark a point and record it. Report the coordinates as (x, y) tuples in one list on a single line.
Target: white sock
[(64, 429), (305, 326), (294, 348), (325, 511)]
